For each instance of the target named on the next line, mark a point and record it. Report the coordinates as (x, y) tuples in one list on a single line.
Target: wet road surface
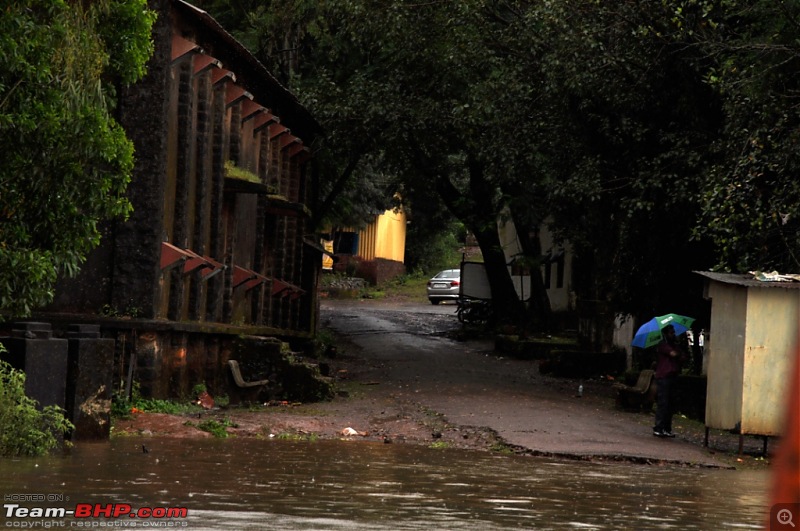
[(471, 386)]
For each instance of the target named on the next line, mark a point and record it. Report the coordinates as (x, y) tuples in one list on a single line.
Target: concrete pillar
[(32, 349), (89, 382)]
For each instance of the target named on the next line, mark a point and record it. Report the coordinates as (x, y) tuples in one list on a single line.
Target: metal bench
[(637, 396)]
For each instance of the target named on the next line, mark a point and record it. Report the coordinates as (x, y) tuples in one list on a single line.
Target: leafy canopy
[(71, 162), (658, 137)]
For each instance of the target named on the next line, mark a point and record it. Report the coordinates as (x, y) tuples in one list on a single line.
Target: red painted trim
[(251, 109), (264, 120), (287, 140), (204, 62), (276, 130), (171, 255), (235, 93), (181, 47), (222, 75)]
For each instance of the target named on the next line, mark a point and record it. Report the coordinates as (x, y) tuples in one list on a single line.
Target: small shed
[(754, 323)]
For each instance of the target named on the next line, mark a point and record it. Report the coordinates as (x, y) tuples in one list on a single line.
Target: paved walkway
[(471, 386)]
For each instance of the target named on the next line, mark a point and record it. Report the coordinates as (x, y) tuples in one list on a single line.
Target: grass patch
[(439, 445), (410, 287), (501, 448), (298, 437), (218, 429), (122, 433), (235, 172), (123, 408)]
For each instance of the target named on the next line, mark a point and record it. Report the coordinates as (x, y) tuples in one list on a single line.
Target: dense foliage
[(24, 429), (66, 162), (657, 137), (751, 195)]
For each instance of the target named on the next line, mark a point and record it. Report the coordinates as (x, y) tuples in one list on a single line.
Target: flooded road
[(269, 484)]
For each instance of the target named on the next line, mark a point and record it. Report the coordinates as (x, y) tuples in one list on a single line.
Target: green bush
[(216, 428), (24, 429), (430, 252)]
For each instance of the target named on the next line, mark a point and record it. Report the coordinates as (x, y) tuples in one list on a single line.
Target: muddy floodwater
[(274, 484)]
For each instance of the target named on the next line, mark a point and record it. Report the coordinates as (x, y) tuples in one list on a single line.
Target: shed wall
[(772, 318), (725, 350)]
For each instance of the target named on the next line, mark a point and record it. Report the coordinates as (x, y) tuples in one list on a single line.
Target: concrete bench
[(642, 394), (237, 376)]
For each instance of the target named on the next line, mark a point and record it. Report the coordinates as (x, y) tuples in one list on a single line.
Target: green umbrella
[(649, 334)]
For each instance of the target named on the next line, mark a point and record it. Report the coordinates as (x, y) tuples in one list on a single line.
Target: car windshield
[(455, 273)]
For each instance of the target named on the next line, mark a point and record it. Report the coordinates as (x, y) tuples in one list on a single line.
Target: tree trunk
[(540, 310), (505, 301), (322, 209), (479, 213)]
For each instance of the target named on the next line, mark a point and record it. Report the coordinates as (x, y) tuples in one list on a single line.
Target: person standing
[(670, 358)]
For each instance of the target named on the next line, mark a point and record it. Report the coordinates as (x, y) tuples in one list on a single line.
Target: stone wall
[(375, 271), (206, 255)]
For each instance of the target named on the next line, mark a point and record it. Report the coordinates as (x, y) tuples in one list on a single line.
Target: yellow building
[(384, 238), (376, 252)]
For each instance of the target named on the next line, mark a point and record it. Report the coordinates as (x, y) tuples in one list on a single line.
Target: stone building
[(217, 248)]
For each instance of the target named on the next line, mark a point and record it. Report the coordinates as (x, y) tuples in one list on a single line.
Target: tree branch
[(338, 187)]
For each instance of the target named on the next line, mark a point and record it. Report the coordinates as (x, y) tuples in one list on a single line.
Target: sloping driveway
[(471, 386)]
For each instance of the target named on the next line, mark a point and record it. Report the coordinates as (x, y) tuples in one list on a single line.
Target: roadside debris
[(205, 400), (347, 432)]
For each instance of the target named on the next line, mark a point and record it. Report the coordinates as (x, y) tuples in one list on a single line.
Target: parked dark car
[(444, 286)]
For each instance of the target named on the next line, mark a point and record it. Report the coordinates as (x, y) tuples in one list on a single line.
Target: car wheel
[(435, 301)]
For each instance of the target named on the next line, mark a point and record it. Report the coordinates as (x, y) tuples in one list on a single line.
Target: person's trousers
[(665, 402)]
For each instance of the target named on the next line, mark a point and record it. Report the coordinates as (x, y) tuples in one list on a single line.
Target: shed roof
[(748, 280)]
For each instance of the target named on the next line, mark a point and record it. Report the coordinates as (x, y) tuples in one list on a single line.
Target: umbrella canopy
[(649, 334)]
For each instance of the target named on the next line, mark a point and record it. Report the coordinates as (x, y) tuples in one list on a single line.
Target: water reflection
[(267, 484)]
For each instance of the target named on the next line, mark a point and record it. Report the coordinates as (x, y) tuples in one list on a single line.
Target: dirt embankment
[(365, 408), (371, 408), (399, 381)]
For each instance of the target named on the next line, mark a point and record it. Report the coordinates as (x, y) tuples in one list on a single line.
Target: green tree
[(420, 69), (685, 120), (70, 162), (622, 121), (752, 194), (658, 138)]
